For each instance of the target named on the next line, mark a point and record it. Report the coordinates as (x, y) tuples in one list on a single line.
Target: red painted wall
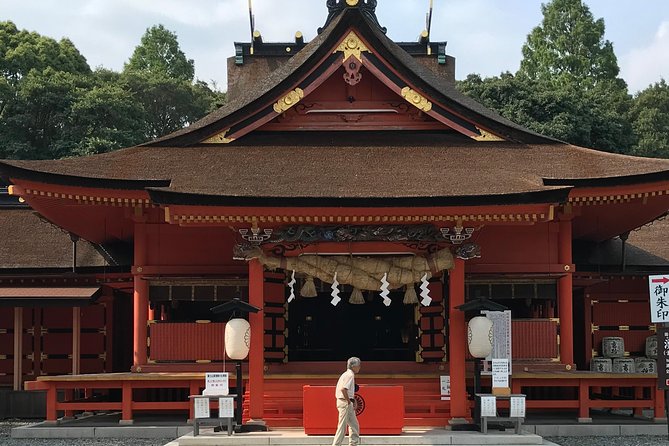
[(176, 245), (517, 244)]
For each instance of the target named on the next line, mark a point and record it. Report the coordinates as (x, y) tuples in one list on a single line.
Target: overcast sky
[(485, 36)]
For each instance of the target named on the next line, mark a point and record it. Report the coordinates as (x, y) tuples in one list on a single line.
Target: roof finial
[(367, 8)]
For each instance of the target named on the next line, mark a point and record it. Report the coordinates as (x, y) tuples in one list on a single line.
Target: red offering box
[(380, 410)]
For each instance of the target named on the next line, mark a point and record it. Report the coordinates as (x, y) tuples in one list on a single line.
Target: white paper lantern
[(237, 338), (479, 337)]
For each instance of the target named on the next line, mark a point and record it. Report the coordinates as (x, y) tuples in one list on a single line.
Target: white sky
[(485, 36)]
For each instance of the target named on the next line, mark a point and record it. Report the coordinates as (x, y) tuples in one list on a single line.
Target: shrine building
[(355, 196)]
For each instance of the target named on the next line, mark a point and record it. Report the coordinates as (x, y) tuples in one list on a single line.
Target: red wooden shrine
[(355, 146)]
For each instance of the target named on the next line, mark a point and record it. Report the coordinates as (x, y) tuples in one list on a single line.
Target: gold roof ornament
[(416, 99), (352, 2), (487, 136), (219, 138), (352, 46), (289, 100)]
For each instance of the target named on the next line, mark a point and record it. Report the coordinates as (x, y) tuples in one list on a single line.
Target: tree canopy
[(567, 86), (52, 105), (159, 54), (568, 46), (650, 118)]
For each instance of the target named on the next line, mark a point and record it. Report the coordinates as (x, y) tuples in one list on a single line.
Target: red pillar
[(565, 296), (256, 355), (18, 348), (457, 340), (76, 340), (140, 299)]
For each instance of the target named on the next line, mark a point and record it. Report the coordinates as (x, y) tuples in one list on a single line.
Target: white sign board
[(226, 408), (659, 298), (445, 384), (500, 373), (201, 407), (517, 406), (216, 384), (488, 406), (501, 338)]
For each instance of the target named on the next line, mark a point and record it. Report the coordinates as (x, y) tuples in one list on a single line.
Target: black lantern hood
[(237, 306)]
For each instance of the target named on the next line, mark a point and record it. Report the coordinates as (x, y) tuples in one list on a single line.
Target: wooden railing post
[(51, 400), (126, 403), (584, 401)]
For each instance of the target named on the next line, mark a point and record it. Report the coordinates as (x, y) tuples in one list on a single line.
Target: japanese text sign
[(659, 298)]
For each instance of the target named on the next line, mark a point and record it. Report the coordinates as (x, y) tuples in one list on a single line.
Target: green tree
[(53, 106), (22, 51), (594, 118), (569, 45), (36, 125), (169, 104), (104, 118), (567, 85), (650, 118), (161, 78), (159, 54)]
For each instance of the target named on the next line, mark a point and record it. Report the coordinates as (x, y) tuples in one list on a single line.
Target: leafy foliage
[(650, 118), (159, 54), (52, 105), (594, 118), (568, 46), (567, 85)]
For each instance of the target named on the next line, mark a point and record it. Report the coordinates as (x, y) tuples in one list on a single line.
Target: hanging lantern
[(479, 337), (237, 338)]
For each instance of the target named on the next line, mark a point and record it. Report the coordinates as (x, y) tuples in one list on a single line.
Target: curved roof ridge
[(271, 82), (433, 82), (352, 17)]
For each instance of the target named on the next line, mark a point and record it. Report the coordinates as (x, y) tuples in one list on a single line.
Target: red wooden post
[(68, 395), (126, 403), (457, 340), (638, 395), (194, 390), (256, 360), (140, 299), (51, 396), (18, 348), (659, 404), (565, 288), (584, 401), (76, 340)]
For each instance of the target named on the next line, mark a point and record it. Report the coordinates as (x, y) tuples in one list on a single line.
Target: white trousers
[(347, 417)]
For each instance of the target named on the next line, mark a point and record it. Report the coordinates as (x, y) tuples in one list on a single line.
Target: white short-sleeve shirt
[(346, 381)]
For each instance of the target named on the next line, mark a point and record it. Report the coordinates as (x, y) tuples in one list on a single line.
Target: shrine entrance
[(318, 331)]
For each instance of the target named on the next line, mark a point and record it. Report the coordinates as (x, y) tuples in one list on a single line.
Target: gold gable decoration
[(416, 99), (487, 136), (219, 138), (289, 100), (352, 46)]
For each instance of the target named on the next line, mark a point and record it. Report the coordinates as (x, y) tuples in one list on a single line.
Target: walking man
[(346, 404)]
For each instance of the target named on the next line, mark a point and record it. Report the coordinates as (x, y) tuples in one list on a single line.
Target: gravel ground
[(640, 440), (5, 440)]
